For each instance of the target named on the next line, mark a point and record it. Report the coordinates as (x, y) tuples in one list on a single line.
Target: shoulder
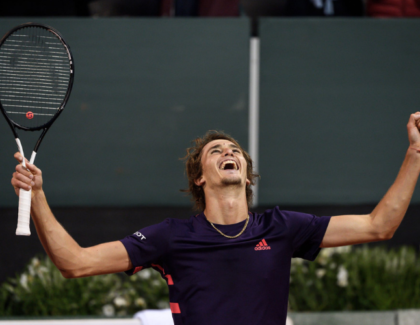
[(290, 220), (283, 216), (159, 234), (174, 225)]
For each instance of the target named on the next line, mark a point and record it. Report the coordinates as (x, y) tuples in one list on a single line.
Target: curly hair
[(194, 168)]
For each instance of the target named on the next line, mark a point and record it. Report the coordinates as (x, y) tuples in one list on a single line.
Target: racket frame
[(70, 86)]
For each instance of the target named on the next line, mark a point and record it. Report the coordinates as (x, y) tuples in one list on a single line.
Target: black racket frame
[(45, 127)]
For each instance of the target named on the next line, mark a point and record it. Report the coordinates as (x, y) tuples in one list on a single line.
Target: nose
[(228, 152)]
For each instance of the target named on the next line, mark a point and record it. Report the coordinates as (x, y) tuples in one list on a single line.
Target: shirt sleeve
[(148, 245), (306, 232)]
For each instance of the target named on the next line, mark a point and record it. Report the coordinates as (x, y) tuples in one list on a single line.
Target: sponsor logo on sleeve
[(139, 234)]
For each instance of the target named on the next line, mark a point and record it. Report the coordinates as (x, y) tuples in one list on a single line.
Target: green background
[(335, 98), (143, 90)]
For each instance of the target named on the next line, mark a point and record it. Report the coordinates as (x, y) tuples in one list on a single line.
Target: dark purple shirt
[(216, 280)]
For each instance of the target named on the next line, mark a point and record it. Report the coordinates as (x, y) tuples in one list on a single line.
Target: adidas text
[(262, 248)]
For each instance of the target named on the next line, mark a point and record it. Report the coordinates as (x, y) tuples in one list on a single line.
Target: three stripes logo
[(262, 246)]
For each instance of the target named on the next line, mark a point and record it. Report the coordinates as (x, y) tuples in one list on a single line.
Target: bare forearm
[(59, 245), (384, 220), (390, 211), (71, 259)]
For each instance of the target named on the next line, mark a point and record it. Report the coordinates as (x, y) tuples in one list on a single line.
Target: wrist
[(412, 157), (414, 148), (38, 196)]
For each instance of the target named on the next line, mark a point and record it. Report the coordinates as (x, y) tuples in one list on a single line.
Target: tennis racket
[(36, 77)]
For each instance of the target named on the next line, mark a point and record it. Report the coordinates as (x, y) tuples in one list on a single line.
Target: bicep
[(350, 230), (105, 258)]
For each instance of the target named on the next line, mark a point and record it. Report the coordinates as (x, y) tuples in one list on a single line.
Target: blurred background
[(319, 91)]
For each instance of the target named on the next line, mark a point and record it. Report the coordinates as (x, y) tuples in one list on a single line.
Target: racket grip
[(24, 214)]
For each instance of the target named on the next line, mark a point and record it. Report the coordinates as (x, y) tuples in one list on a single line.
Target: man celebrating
[(225, 265)]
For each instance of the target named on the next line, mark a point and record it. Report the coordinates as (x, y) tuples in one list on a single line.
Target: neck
[(226, 206)]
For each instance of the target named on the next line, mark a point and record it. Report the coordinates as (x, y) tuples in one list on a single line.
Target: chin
[(232, 181)]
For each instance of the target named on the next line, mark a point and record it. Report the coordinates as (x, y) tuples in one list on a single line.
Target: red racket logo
[(30, 115)]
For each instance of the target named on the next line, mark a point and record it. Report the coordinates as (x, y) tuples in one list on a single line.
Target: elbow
[(72, 274), (72, 268), (68, 274), (386, 235)]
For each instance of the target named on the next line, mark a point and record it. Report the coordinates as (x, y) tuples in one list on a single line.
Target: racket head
[(36, 76)]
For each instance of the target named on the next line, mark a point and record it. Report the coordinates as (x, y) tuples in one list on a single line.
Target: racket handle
[(24, 215)]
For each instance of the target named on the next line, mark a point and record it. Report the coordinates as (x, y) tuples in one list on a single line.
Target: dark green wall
[(144, 88), (335, 98)]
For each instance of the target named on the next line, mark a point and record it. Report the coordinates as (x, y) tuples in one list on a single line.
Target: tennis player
[(226, 265)]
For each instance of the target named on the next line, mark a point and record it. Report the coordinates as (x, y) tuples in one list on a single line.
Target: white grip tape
[(24, 215)]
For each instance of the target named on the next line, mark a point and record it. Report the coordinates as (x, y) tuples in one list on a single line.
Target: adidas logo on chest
[(262, 246)]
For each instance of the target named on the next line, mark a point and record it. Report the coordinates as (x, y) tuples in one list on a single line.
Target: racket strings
[(34, 75)]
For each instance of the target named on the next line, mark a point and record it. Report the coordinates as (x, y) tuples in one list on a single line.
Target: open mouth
[(229, 164)]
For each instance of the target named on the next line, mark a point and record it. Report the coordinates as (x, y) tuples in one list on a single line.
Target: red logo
[(262, 246), (30, 115)]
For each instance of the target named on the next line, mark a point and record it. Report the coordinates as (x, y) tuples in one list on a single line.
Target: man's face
[(223, 165)]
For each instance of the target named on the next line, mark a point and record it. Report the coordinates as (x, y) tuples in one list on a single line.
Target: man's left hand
[(413, 128)]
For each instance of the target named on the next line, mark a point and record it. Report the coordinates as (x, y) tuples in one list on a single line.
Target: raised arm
[(384, 220), (71, 259)]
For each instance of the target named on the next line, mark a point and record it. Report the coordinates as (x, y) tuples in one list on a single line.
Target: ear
[(248, 182), (200, 181)]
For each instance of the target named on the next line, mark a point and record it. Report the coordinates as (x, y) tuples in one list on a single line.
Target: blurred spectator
[(106, 8), (23, 8), (313, 8), (79, 8), (202, 8), (393, 8), (219, 8), (209, 8)]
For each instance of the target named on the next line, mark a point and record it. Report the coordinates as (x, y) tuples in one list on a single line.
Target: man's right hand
[(26, 178)]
